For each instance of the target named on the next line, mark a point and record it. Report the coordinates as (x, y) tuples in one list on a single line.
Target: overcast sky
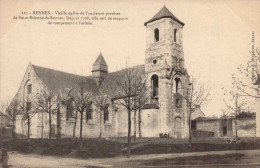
[(216, 39)]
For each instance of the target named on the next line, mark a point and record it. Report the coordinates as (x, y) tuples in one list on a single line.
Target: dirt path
[(252, 157)]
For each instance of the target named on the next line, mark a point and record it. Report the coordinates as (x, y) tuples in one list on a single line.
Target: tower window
[(155, 84), (156, 35), (178, 100), (154, 61), (177, 83), (178, 103), (175, 35), (29, 89)]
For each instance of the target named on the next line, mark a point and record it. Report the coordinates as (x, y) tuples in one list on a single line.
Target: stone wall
[(246, 127), (40, 121), (149, 123), (90, 128), (30, 78), (209, 125), (160, 57)]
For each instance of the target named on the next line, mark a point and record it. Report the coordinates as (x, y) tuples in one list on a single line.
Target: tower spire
[(99, 69)]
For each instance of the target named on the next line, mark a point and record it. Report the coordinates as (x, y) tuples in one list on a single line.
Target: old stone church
[(165, 112)]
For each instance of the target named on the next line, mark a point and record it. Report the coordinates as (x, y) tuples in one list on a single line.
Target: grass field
[(94, 148)]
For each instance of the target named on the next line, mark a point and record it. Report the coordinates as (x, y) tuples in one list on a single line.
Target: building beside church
[(166, 110)]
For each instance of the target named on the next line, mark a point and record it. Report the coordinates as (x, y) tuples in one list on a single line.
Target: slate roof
[(100, 64), (164, 13), (150, 106), (62, 80), (205, 119), (100, 60), (110, 84)]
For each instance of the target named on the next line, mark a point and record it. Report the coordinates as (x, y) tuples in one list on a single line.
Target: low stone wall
[(209, 126), (246, 127), (198, 133)]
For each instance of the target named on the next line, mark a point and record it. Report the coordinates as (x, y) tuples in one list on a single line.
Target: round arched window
[(156, 35)]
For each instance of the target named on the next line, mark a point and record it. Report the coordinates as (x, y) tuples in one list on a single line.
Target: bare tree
[(102, 103), (199, 96), (64, 98), (28, 111), (12, 112), (81, 98), (235, 102), (139, 99), (247, 75), (4, 119), (129, 88), (243, 86), (47, 102)]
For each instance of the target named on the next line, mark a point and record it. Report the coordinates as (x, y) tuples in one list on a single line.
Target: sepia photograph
[(126, 83)]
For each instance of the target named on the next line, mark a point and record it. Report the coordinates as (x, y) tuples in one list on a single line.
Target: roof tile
[(164, 13)]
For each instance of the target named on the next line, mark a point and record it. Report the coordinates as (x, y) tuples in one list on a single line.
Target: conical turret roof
[(100, 64), (164, 13), (100, 60)]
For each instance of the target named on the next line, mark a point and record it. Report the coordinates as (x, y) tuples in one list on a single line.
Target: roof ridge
[(125, 68), (56, 70)]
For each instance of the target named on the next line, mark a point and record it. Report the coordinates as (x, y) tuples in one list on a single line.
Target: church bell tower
[(163, 48), (166, 75)]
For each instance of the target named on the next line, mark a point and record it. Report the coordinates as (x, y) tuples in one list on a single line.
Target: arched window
[(175, 35), (89, 111), (177, 84), (106, 112), (156, 35), (178, 100), (69, 108), (29, 89), (155, 85)]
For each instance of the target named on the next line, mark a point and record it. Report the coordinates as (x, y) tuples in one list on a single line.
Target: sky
[(216, 39)]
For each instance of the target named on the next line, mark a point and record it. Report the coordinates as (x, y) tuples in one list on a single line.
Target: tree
[(139, 99), (81, 99), (243, 86), (28, 111), (12, 112), (74, 115), (4, 119), (199, 96), (102, 103), (247, 75), (237, 103), (129, 90), (48, 102), (64, 98)]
